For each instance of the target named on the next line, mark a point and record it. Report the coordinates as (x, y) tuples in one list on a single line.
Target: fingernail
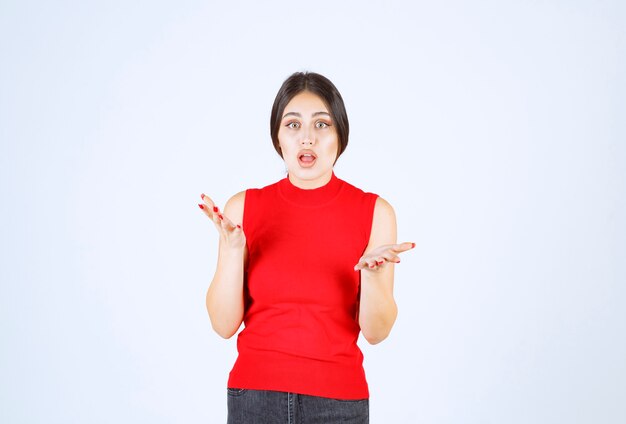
[(201, 206), (221, 217), (202, 195), (214, 208), (412, 245)]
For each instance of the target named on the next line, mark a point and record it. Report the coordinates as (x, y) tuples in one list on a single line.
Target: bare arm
[(224, 298), (378, 309)]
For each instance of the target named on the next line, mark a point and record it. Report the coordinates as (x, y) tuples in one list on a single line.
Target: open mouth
[(307, 159)]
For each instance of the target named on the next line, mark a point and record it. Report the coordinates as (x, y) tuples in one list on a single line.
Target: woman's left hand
[(376, 258)]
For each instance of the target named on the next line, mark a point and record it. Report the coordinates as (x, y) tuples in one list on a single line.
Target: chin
[(308, 173)]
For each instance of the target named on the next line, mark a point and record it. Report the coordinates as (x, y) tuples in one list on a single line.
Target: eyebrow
[(300, 116)]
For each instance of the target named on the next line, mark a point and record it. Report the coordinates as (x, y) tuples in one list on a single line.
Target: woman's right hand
[(231, 235), (225, 298)]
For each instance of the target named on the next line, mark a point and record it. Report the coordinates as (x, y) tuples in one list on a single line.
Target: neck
[(312, 195), (311, 184)]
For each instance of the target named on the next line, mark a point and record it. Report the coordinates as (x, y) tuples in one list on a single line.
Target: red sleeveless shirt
[(301, 291)]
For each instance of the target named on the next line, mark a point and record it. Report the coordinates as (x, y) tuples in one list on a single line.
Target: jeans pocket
[(233, 391)]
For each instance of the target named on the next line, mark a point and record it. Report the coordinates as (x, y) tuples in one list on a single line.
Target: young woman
[(306, 263)]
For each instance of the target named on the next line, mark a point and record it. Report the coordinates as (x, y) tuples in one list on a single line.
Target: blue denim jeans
[(246, 406)]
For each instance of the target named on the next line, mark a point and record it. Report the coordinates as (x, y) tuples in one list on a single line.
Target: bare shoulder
[(383, 209), (234, 206), (237, 198), (383, 224)]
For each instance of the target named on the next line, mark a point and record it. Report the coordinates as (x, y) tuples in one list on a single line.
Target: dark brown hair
[(326, 90)]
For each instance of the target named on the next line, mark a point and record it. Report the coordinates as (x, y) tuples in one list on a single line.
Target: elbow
[(374, 338), (375, 334), (225, 334), (223, 330), (223, 326)]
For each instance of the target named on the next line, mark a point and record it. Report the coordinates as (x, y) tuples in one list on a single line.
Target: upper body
[(301, 292)]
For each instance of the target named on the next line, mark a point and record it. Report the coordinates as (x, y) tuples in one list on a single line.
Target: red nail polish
[(214, 208), (201, 206), (221, 217), (412, 245), (202, 195)]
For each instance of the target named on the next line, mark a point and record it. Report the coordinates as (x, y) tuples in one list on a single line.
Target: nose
[(307, 138)]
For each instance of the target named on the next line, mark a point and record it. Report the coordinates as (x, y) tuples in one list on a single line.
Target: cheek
[(286, 149), (285, 138), (332, 145)]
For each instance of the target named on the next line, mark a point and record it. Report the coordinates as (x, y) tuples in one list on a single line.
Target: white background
[(495, 129)]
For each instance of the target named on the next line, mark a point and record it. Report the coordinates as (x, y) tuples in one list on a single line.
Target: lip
[(307, 151), (306, 164)]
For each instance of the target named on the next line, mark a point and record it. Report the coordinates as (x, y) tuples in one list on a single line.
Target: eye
[(293, 125), (323, 124)]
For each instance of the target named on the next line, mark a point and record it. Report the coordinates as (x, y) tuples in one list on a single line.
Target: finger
[(392, 258), (224, 222), (208, 212), (227, 222), (403, 247), (371, 263), (217, 221), (207, 201), (360, 265), (209, 206), (387, 256)]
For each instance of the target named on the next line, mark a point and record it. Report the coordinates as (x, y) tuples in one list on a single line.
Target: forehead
[(306, 102)]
